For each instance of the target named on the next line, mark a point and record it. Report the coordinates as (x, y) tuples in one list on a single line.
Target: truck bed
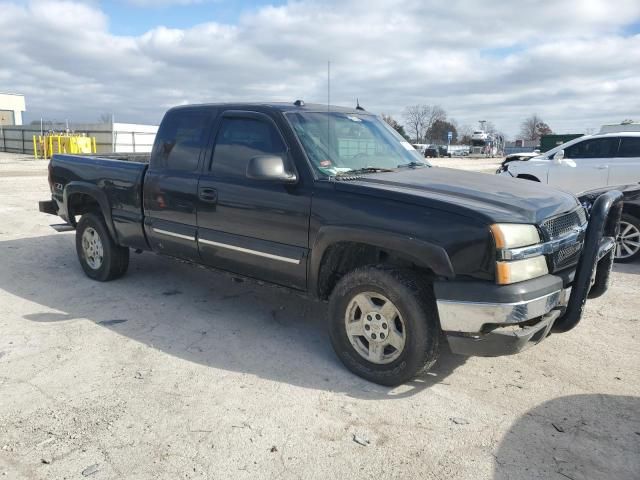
[(125, 157), (116, 178)]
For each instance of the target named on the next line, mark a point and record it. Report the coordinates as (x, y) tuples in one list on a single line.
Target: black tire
[(115, 259), (413, 297), (635, 222)]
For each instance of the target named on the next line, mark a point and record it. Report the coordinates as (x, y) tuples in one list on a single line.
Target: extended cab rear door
[(252, 227), (171, 184)]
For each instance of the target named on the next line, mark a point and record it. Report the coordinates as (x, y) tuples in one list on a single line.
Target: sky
[(575, 63)]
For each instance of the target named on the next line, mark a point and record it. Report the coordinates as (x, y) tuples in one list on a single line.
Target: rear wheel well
[(81, 203), (343, 257), (526, 176)]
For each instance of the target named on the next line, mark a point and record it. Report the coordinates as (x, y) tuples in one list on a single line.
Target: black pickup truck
[(333, 202)]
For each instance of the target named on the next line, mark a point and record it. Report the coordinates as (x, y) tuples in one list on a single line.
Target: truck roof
[(279, 106)]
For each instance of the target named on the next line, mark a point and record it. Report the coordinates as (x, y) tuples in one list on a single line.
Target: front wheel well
[(343, 257), (526, 176), (631, 209)]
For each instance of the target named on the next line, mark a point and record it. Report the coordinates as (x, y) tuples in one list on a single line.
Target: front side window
[(596, 148), (341, 142), (181, 137), (629, 147), (239, 140)]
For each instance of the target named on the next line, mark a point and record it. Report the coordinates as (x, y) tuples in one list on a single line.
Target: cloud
[(573, 62), (166, 3)]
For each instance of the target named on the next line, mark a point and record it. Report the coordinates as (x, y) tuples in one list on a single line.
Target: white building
[(11, 107), (132, 137)]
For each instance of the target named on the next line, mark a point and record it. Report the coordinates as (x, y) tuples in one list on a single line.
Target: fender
[(420, 252), (94, 192)]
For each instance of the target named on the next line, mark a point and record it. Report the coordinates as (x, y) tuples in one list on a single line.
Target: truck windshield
[(337, 143)]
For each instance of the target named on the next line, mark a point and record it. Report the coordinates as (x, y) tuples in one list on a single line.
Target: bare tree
[(395, 125), (435, 114), (533, 127), (464, 134), (106, 117), (415, 117), (420, 118)]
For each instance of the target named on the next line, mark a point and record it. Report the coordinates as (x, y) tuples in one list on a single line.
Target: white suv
[(585, 163)]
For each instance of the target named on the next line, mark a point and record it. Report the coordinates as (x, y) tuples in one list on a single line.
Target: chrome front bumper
[(478, 317), (494, 329), (505, 328)]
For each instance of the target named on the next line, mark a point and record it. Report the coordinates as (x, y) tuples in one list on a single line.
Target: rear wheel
[(383, 324), (628, 241), (100, 257)]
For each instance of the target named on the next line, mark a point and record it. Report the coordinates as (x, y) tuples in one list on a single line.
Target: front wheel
[(100, 257), (383, 324), (628, 241)]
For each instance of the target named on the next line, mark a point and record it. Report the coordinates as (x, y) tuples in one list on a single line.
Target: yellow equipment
[(46, 145)]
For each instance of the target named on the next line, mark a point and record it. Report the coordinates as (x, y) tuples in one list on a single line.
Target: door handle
[(602, 167), (208, 195)]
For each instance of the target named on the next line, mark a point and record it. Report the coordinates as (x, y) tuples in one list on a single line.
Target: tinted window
[(629, 147), (596, 148), (181, 137), (240, 139)]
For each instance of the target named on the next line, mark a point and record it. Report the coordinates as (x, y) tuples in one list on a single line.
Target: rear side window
[(180, 139), (629, 147), (239, 140), (596, 148)]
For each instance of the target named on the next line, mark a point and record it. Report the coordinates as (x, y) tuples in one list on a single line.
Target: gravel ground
[(175, 371)]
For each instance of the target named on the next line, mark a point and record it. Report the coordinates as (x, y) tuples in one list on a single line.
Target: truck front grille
[(558, 227), (566, 257)]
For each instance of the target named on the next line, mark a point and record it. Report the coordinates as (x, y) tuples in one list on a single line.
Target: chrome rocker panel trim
[(258, 253)]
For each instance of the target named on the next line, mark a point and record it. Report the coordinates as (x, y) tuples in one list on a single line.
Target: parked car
[(628, 240), (457, 150), (432, 151), (585, 163), (405, 254)]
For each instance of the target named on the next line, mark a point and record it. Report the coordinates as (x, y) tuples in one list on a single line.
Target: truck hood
[(494, 198)]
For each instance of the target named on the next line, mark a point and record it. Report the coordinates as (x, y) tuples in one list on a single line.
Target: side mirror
[(558, 156), (270, 168)]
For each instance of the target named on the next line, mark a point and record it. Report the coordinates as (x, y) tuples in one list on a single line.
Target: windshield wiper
[(359, 171), (412, 165)]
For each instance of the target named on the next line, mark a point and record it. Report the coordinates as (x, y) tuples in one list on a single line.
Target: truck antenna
[(328, 106)]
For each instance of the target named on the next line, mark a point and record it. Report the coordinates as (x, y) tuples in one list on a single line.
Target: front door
[(252, 227), (585, 165)]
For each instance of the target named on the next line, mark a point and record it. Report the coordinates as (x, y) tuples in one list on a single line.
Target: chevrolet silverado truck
[(333, 202)]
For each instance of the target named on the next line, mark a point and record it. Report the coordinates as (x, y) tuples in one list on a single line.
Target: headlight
[(513, 235), (519, 270)]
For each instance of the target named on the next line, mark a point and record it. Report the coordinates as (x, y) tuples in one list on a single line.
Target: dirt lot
[(178, 372)]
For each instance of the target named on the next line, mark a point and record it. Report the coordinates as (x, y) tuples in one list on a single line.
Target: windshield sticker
[(407, 146), (354, 119)]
